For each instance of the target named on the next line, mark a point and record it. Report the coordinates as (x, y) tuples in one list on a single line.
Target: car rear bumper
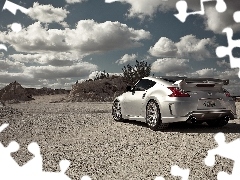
[(202, 115), (175, 111)]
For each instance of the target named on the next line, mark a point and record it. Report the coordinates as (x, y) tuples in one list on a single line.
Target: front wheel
[(153, 116), (116, 111)]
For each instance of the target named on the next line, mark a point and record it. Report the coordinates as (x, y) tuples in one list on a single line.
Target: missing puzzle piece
[(7, 164), (177, 171), (3, 126), (182, 7), (32, 169), (222, 51), (236, 16), (12, 7), (227, 150)]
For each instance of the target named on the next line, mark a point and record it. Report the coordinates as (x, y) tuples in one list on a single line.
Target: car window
[(144, 84)]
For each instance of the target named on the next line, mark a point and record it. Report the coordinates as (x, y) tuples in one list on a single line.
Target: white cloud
[(44, 75), (51, 72), (28, 81), (223, 63), (7, 77), (214, 20), (207, 72), (170, 65), (74, 1), (47, 13), (213, 72), (164, 48), (91, 36), (64, 24), (188, 47), (54, 59), (143, 8), (228, 74), (7, 65), (127, 58)]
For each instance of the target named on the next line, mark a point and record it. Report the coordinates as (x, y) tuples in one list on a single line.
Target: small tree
[(102, 75), (132, 74)]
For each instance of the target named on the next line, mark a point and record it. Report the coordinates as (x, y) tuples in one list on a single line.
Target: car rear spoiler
[(191, 84), (207, 80)]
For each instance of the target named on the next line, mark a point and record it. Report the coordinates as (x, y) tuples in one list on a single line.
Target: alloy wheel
[(116, 111)]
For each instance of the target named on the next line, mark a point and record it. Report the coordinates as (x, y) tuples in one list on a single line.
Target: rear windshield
[(174, 79)]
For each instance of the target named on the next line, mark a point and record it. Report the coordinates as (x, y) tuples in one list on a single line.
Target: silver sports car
[(159, 101)]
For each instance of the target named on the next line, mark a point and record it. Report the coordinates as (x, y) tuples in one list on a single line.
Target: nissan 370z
[(159, 101)]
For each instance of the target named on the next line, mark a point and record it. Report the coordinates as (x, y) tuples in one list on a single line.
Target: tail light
[(226, 93), (176, 92)]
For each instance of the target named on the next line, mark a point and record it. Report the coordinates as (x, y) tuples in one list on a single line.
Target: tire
[(219, 122), (116, 112), (153, 117)]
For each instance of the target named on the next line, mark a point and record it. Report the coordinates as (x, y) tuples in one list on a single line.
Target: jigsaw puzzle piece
[(177, 171), (3, 126), (222, 51), (159, 178), (227, 150), (225, 176), (88, 178), (16, 27), (182, 7), (64, 164), (2, 46), (236, 16), (12, 7), (221, 6), (7, 162), (34, 166)]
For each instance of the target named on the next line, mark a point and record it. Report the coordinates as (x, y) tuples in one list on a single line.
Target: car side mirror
[(129, 88)]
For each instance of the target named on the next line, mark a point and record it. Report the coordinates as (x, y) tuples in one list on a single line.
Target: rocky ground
[(85, 134)]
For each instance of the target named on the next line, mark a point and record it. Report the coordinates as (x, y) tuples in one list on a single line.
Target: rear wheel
[(153, 116), (116, 111), (219, 122)]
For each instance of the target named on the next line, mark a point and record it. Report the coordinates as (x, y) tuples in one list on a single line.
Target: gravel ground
[(85, 134)]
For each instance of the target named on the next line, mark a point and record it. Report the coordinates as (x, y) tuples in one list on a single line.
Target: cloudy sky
[(62, 41)]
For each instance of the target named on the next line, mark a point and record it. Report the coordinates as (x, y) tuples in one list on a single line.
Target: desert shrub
[(102, 75), (132, 74), (106, 88), (98, 90)]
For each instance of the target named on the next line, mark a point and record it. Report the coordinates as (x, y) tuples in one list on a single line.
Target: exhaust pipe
[(192, 120), (226, 118)]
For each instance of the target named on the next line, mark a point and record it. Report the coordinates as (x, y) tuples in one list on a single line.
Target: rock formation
[(14, 92)]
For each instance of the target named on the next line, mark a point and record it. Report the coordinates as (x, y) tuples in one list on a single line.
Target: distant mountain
[(14, 92)]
